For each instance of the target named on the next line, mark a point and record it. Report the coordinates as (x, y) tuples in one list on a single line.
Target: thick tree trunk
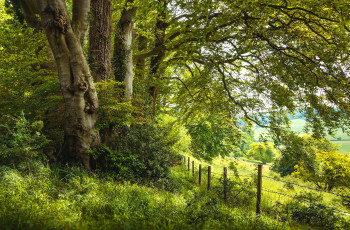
[(100, 40), (122, 57), (156, 70), (140, 69), (79, 93)]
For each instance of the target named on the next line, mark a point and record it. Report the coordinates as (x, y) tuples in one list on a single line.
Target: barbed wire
[(279, 180)]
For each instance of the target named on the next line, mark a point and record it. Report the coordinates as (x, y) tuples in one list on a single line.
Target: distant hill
[(298, 125)]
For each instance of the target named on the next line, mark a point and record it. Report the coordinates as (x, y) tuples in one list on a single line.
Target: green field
[(344, 146), (298, 126)]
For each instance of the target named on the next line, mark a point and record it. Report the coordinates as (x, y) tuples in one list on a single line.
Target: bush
[(141, 153), (308, 209), (22, 142), (213, 136), (330, 169)]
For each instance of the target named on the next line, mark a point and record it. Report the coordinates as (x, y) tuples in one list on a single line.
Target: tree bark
[(78, 90), (140, 68), (155, 67), (122, 57), (100, 40)]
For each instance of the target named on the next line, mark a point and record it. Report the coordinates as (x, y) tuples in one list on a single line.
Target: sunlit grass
[(69, 198)]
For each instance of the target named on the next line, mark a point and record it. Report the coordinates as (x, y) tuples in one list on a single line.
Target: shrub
[(141, 152), (330, 169), (22, 143), (307, 208), (213, 136)]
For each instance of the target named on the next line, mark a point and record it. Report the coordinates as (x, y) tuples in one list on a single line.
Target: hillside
[(298, 125)]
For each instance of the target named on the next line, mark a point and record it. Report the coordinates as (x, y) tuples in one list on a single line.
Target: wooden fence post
[(193, 168), (258, 193), (200, 174), (188, 164), (209, 177), (225, 184)]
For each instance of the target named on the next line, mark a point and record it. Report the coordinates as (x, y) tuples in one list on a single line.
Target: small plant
[(23, 142), (233, 166)]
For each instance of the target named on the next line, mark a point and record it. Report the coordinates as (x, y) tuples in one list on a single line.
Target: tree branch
[(81, 9)]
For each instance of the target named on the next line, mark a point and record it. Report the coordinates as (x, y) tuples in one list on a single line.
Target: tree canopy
[(249, 62)]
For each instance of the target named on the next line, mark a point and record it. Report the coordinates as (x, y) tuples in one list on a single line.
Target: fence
[(259, 187)]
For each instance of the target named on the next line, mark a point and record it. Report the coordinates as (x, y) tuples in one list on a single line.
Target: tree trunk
[(122, 57), (141, 87), (100, 40), (79, 93), (155, 67)]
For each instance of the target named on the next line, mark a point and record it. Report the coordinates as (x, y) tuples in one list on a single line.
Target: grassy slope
[(272, 202), (298, 126), (69, 198)]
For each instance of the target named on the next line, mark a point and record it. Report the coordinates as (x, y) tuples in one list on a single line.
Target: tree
[(213, 136), (81, 103), (241, 57), (100, 40), (264, 152), (232, 57), (295, 149), (122, 56), (329, 170)]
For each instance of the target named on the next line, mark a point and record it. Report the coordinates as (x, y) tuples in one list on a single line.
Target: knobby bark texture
[(156, 70), (122, 56), (100, 40), (79, 93)]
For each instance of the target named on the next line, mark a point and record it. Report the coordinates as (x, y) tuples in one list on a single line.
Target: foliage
[(115, 111), (264, 152), (246, 139), (313, 212), (212, 136), (141, 152), (22, 143), (329, 170), (250, 58), (27, 81), (175, 132), (295, 148)]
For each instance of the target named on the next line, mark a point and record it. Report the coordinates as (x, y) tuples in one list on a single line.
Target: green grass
[(56, 197), (69, 198), (273, 203)]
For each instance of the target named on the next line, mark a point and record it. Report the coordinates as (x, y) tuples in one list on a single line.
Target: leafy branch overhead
[(258, 51)]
